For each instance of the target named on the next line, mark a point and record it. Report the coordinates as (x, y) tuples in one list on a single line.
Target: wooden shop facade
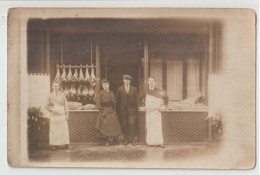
[(179, 53)]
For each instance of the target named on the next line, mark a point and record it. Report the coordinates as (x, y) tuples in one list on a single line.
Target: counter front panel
[(178, 126), (82, 126)]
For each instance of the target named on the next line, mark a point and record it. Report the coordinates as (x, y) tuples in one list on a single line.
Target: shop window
[(174, 80), (156, 71), (179, 65), (193, 77)]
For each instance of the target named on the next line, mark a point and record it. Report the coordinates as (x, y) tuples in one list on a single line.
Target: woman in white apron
[(153, 106), (57, 105)]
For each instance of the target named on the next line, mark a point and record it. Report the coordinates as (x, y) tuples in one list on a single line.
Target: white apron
[(154, 134), (59, 131)]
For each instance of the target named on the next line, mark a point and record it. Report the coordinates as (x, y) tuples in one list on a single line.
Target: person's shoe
[(116, 140), (162, 146), (133, 143), (126, 142)]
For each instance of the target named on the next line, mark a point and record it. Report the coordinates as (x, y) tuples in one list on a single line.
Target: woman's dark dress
[(107, 122)]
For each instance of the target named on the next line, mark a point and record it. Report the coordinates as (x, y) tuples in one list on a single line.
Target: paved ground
[(97, 152)]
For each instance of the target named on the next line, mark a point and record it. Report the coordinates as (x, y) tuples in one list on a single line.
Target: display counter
[(178, 126)]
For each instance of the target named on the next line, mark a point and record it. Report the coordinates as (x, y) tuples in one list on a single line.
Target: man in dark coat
[(127, 105)]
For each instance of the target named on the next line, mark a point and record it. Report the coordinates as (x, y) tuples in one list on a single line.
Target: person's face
[(151, 82), (126, 81), (105, 86), (55, 87)]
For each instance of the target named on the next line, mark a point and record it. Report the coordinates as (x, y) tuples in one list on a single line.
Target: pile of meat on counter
[(78, 89), (194, 103)]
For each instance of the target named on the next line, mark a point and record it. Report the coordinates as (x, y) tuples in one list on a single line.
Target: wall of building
[(235, 98)]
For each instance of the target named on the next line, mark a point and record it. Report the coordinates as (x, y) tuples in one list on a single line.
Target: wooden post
[(98, 66), (42, 49), (184, 79), (48, 57), (211, 48), (206, 67), (210, 134), (146, 60), (61, 50)]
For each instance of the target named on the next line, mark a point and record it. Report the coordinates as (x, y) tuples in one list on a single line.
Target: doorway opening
[(121, 55)]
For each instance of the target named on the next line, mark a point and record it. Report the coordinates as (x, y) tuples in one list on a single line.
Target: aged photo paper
[(132, 88)]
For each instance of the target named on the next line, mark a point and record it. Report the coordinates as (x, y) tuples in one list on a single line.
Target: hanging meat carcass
[(81, 76), (57, 77), (75, 75), (63, 76), (87, 77), (69, 76), (93, 77), (73, 93)]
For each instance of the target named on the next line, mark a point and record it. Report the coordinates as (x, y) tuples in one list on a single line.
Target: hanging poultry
[(79, 93), (84, 91), (69, 76), (73, 93), (66, 91), (57, 77), (81, 76), (85, 95), (63, 76), (75, 76), (91, 93), (87, 77), (93, 77)]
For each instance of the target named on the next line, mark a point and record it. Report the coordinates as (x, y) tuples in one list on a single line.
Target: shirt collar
[(54, 93)]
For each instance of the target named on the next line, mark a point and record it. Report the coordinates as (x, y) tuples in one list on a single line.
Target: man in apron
[(57, 105)]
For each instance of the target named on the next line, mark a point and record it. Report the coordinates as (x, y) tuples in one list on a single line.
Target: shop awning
[(127, 25)]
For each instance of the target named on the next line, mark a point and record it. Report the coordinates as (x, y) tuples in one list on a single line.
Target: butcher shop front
[(179, 53)]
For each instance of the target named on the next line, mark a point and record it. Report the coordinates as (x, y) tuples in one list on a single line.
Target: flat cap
[(127, 77)]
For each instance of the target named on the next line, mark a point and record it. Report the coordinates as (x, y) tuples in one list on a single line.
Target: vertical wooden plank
[(206, 66), (211, 48), (184, 79), (146, 60), (216, 48), (23, 88), (210, 134), (61, 49), (48, 58), (105, 59), (41, 49), (98, 66), (164, 82)]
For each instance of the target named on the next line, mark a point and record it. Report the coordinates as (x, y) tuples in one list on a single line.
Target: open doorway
[(121, 55)]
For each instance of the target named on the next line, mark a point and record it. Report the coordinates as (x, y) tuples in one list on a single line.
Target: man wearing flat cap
[(127, 105)]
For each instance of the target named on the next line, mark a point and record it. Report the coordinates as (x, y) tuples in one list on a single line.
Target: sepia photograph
[(131, 88)]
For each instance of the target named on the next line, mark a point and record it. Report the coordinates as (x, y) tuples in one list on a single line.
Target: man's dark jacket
[(127, 103)]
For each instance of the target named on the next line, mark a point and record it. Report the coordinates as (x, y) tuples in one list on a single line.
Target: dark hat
[(127, 77)]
